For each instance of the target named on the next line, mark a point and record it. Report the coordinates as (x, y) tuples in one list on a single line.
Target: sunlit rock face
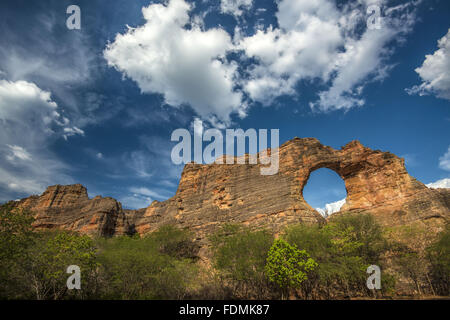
[(212, 194), (69, 208)]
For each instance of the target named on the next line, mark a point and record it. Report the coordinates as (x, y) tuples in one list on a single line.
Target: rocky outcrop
[(209, 195), (69, 208), (376, 182)]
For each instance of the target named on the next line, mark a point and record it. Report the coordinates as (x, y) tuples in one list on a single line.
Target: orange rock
[(209, 195)]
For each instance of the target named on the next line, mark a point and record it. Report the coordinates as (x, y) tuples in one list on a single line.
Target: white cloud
[(28, 114), (444, 161), (29, 120), (187, 66), (149, 193), (142, 197), (315, 41), (68, 132), (434, 72), (235, 7), (443, 183), (331, 208), (18, 152), (135, 201)]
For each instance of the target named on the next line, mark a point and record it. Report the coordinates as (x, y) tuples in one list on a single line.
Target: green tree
[(175, 242), (360, 235), (16, 237), (240, 256), (148, 267), (438, 255), (287, 266), (49, 258), (343, 249)]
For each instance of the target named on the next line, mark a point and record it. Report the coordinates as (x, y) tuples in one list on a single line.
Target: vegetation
[(148, 267), (306, 262), (240, 257), (288, 266)]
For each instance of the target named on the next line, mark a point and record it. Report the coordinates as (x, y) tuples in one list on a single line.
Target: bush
[(151, 267), (343, 249), (239, 255), (287, 266), (16, 237), (439, 257), (49, 258)]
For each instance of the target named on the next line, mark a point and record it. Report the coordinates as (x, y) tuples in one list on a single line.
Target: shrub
[(439, 257), (239, 255), (147, 268), (287, 266)]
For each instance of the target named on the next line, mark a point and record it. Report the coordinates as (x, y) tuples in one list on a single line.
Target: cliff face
[(69, 208), (208, 195)]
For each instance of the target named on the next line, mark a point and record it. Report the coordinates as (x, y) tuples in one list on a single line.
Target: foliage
[(240, 256), (174, 242), (16, 236), (148, 267), (308, 261), (49, 258), (287, 266), (343, 249), (438, 254)]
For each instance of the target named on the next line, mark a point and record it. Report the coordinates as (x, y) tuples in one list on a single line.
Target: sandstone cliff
[(208, 195), (69, 208)]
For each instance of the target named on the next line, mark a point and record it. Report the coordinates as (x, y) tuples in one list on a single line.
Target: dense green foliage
[(439, 256), (240, 257), (154, 267), (343, 249), (34, 264), (16, 236), (306, 262), (287, 266)]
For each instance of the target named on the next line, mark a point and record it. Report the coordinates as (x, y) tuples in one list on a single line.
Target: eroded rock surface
[(69, 208), (209, 195)]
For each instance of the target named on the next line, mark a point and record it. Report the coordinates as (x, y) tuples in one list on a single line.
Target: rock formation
[(209, 195), (69, 208)]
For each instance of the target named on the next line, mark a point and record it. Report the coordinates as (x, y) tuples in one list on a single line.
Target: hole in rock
[(325, 191)]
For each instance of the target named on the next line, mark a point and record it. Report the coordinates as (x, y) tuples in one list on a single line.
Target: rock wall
[(69, 208), (209, 195)]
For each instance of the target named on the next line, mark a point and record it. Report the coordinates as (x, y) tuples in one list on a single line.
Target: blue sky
[(97, 105)]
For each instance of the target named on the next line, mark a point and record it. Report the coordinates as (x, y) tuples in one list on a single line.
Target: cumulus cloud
[(186, 65), (315, 41), (28, 114), (444, 161), (29, 119), (434, 72), (331, 208), (235, 7), (343, 58), (443, 183)]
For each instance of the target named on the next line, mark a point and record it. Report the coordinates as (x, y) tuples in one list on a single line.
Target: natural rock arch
[(308, 181), (210, 195)]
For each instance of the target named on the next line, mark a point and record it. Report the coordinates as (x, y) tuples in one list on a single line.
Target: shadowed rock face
[(209, 195)]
